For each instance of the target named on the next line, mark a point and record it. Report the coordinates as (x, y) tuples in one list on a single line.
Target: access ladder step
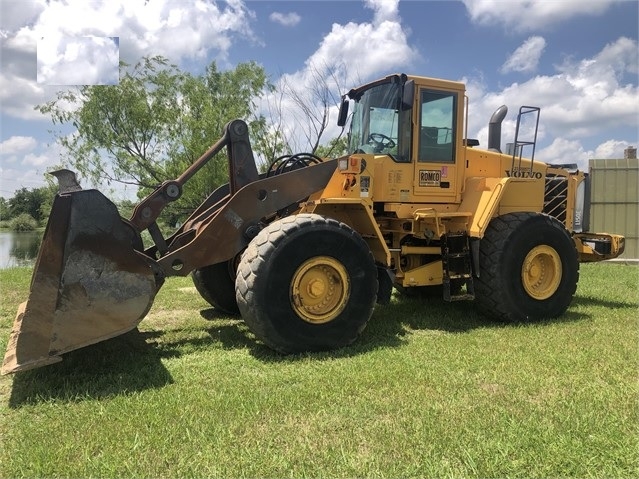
[(458, 282)]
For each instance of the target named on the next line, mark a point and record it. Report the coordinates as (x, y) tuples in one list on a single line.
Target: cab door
[(436, 146)]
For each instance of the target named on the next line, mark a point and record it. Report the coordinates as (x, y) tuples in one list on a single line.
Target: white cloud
[(15, 14), (611, 149), (18, 54), (526, 57), (66, 60), (17, 144), (19, 96), (385, 10), (527, 15), (583, 99), (285, 19), (27, 165), (12, 179), (366, 49), (173, 28), (563, 151), (348, 55), (615, 58), (36, 160)]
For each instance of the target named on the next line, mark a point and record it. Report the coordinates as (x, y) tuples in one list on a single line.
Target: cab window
[(436, 132), (379, 126)]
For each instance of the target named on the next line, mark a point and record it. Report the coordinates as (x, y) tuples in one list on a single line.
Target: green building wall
[(614, 196)]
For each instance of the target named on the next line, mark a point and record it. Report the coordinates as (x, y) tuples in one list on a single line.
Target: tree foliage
[(304, 107), (211, 101), (155, 123), (4, 209), (333, 149), (122, 131), (23, 222), (34, 202), (159, 120)]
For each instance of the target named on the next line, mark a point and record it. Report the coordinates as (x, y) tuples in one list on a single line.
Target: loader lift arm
[(93, 280), (232, 215), (242, 171)]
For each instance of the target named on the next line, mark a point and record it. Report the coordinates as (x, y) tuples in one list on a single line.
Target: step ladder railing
[(531, 137)]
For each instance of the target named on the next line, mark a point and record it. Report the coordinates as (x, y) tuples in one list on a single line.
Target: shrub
[(23, 222)]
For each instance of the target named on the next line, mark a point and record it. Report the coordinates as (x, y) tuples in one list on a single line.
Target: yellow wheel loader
[(304, 251)]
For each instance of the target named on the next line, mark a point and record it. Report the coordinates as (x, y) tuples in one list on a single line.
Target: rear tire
[(216, 284), (307, 283), (528, 268)]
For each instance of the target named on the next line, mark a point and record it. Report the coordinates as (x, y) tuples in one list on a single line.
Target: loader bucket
[(89, 283)]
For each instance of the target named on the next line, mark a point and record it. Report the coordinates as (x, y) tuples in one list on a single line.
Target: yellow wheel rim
[(320, 289), (541, 272)]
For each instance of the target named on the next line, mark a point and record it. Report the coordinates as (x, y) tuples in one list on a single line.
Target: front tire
[(306, 283), (528, 268)]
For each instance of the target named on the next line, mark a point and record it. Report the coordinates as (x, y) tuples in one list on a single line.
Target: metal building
[(614, 206)]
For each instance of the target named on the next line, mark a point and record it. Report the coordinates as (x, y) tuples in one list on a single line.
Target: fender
[(482, 198), (356, 214)]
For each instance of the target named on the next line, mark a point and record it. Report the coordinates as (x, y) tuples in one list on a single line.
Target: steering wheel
[(381, 141)]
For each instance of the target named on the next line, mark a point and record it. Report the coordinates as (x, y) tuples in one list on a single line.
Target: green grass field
[(430, 390)]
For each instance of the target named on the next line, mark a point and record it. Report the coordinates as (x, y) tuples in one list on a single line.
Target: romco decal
[(430, 177)]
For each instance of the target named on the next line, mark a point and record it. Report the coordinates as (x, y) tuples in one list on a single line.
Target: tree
[(302, 112), (211, 101), (155, 123), (23, 222), (4, 209), (31, 202), (273, 142), (122, 132), (335, 148)]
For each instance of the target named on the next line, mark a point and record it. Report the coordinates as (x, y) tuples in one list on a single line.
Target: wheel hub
[(316, 288), (320, 289), (541, 272)]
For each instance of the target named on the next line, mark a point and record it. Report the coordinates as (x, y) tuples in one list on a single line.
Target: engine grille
[(556, 197)]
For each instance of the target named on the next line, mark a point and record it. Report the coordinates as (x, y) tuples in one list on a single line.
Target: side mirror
[(343, 113), (408, 95)]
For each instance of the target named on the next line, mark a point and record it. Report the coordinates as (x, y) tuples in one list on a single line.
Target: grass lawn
[(430, 390)]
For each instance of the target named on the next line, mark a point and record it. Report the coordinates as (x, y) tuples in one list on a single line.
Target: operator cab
[(412, 126)]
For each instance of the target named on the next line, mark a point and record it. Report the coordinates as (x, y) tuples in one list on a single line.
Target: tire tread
[(253, 259), (489, 287)]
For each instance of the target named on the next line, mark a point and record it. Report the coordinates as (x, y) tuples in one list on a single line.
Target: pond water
[(19, 249)]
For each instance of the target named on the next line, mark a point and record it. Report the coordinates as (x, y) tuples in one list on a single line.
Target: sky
[(578, 60)]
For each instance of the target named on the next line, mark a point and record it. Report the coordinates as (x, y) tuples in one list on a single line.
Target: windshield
[(377, 125)]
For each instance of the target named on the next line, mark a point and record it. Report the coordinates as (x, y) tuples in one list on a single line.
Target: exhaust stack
[(494, 129)]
